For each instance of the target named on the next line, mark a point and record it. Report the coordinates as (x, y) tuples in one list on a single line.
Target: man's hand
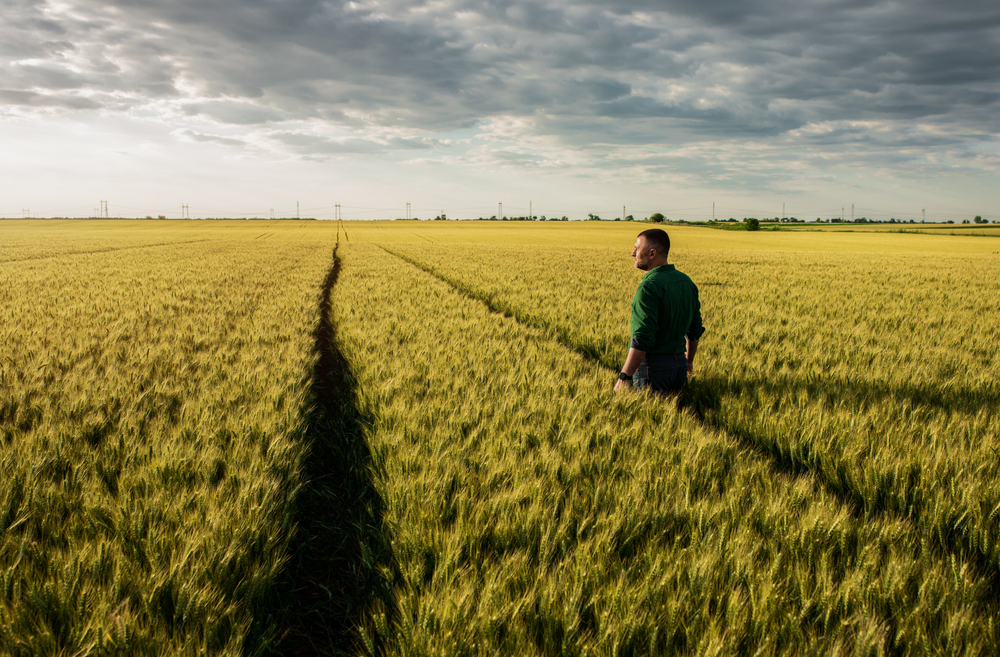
[(632, 361)]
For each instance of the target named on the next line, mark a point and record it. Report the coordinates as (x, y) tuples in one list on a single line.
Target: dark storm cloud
[(636, 71)]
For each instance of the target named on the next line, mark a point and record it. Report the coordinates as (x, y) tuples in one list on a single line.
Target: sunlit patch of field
[(533, 510), (150, 414), (172, 408)]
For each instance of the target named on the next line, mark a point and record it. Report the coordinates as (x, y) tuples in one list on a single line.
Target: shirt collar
[(666, 267)]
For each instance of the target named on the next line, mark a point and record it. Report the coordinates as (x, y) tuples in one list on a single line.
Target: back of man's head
[(657, 238)]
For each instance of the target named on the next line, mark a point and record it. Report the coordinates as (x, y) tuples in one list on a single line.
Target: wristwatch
[(622, 376)]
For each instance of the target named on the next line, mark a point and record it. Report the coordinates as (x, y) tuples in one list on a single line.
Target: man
[(666, 319)]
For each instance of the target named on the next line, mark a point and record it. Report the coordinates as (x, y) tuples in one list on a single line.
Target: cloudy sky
[(241, 107)]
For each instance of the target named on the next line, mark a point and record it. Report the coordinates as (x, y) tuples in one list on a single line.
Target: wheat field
[(290, 437)]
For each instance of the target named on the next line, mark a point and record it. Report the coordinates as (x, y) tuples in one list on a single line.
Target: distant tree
[(564, 218), (629, 218), (657, 218), (542, 218), (752, 223), (980, 220), (593, 217)]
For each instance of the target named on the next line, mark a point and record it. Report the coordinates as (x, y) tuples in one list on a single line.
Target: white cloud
[(746, 95)]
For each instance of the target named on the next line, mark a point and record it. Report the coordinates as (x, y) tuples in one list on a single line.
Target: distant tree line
[(748, 223)]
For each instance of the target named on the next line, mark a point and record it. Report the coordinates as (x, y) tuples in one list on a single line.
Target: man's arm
[(632, 362), (692, 349), (694, 332)]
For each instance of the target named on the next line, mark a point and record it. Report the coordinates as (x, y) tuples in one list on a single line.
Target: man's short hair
[(657, 238)]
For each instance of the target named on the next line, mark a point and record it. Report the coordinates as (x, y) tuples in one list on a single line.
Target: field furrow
[(340, 567)]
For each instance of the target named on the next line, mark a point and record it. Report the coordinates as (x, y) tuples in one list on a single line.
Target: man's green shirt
[(665, 310)]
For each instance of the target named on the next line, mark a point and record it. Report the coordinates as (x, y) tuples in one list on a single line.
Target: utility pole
[(500, 211), (408, 210), (623, 213), (842, 213), (531, 216), (782, 210), (852, 213), (713, 210), (923, 215), (297, 210)]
